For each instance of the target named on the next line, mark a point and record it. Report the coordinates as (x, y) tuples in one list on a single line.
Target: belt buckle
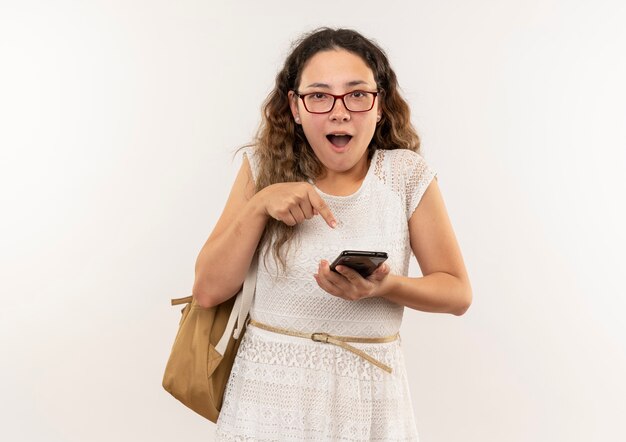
[(319, 337)]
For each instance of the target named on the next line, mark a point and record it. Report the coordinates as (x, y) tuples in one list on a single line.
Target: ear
[(293, 105)]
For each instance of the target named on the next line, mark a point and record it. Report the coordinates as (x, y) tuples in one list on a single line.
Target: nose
[(339, 111)]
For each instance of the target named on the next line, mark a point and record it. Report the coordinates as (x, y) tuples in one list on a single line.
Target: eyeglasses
[(322, 102)]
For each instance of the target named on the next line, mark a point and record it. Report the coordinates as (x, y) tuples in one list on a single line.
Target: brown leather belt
[(339, 341)]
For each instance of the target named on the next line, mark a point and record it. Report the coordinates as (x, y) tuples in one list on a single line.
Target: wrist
[(257, 207), (386, 286)]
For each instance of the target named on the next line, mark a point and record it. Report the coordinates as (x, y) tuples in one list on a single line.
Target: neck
[(343, 183)]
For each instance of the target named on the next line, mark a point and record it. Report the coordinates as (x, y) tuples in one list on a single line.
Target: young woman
[(335, 166)]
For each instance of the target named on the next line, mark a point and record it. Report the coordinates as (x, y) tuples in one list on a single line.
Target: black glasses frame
[(335, 97)]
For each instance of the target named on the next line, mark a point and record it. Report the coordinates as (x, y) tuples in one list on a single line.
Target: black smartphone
[(362, 261)]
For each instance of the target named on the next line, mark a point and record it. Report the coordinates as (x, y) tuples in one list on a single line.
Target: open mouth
[(339, 140)]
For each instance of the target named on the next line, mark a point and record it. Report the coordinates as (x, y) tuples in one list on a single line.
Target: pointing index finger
[(321, 208)]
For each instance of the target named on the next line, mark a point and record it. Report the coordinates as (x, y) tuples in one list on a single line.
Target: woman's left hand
[(348, 283)]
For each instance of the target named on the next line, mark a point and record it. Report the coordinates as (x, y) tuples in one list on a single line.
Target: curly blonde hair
[(281, 148)]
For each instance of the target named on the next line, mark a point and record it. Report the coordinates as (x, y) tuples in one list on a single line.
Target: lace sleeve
[(417, 176), (249, 153)]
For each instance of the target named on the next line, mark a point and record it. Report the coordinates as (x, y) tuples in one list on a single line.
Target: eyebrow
[(326, 86)]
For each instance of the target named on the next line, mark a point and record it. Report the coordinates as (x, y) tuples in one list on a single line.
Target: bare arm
[(225, 258), (445, 286)]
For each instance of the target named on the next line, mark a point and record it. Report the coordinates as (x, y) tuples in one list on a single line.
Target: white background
[(118, 123)]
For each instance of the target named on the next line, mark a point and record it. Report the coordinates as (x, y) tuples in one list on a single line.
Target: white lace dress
[(289, 388)]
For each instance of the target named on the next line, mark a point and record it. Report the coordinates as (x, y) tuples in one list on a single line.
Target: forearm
[(437, 292), (224, 260)]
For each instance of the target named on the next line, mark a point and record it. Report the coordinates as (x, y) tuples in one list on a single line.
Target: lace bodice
[(289, 388), (375, 217)]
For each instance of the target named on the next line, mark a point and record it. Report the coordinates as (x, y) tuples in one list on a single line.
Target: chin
[(341, 160)]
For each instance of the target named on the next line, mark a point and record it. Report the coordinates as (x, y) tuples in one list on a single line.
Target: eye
[(358, 95), (318, 96)]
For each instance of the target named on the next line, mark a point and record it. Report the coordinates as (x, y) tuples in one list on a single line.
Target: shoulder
[(249, 152), (405, 154), (400, 156), (403, 162), (408, 174)]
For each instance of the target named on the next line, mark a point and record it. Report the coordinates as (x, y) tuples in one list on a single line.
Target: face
[(337, 72)]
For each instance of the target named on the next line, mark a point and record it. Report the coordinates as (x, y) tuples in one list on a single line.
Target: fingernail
[(333, 224)]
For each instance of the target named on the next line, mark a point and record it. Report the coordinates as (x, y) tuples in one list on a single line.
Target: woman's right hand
[(292, 203)]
